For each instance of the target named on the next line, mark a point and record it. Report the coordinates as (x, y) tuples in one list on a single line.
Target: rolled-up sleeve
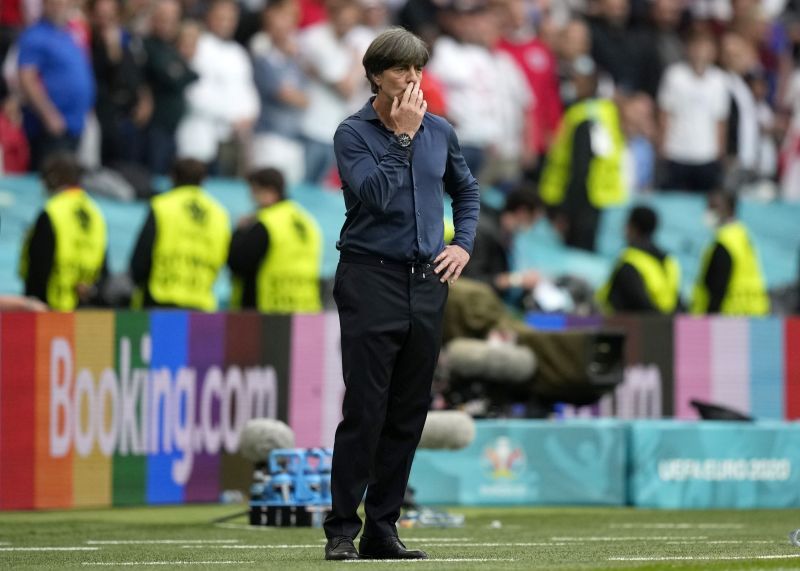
[(374, 183), (463, 188)]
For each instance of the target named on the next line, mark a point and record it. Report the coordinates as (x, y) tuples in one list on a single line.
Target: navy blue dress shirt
[(394, 196)]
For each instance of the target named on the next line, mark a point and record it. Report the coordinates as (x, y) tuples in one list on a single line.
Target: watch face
[(404, 139)]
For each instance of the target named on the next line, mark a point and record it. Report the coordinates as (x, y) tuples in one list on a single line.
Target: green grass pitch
[(525, 538)]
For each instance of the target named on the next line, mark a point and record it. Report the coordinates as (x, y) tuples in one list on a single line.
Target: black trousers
[(391, 322)]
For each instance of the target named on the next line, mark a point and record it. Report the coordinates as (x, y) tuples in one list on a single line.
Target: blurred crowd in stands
[(707, 91)]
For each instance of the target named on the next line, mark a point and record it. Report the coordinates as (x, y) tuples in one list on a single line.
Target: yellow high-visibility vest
[(81, 241), (747, 292), (662, 279), (606, 183), (288, 279), (191, 245)]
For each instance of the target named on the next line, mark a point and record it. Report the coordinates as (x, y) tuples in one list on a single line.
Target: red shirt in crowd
[(14, 146), (539, 65)]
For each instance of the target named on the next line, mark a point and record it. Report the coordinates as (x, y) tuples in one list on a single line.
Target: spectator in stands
[(584, 171), (182, 245), (539, 65), (511, 148), (767, 150), (625, 53), (15, 154), (63, 259), (645, 279), (336, 74), (494, 240), (283, 88), (790, 150), (168, 75), (663, 27), (276, 253), (694, 105), (223, 103), (737, 58), (466, 69), (637, 113), (56, 81), (124, 104), (730, 280)]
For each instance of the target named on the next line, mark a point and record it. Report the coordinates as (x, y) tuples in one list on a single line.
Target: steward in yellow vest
[(730, 281), (63, 258), (583, 172), (276, 254), (182, 246), (645, 279)]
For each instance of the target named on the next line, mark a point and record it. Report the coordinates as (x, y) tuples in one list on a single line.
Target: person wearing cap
[(645, 278), (395, 162), (584, 171)]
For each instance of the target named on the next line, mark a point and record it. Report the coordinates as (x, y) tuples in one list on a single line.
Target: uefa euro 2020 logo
[(503, 460)]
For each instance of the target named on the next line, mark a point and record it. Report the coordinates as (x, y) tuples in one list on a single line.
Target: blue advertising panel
[(523, 462), (714, 464)]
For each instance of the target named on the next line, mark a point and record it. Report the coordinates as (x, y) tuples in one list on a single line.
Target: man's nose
[(413, 75)]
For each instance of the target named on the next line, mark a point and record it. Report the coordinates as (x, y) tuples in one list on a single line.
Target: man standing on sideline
[(182, 246), (276, 253), (645, 278), (730, 281), (395, 162), (64, 256)]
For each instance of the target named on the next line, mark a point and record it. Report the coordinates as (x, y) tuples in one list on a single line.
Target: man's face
[(166, 20), (702, 52), (57, 11), (223, 19), (263, 196), (524, 220), (393, 81)]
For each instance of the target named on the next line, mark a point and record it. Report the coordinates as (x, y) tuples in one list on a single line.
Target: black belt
[(386, 263)]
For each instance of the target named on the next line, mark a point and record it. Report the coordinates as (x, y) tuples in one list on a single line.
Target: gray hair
[(396, 46)]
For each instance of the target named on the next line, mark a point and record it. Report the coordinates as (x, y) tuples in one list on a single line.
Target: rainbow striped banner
[(100, 408)]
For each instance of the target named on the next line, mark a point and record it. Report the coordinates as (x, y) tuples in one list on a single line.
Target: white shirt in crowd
[(223, 95), (467, 72), (695, 105), (513, 97), (331, 60)]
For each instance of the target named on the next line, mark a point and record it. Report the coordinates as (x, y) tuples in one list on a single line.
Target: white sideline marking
[(636, 538), (49, 549), (679, 525), (121, 563), (450, 560), (162, 541), (408, 538), (706, 558), (527, 544), (246, 526), (725, 541), (264, 546), (426, 544)]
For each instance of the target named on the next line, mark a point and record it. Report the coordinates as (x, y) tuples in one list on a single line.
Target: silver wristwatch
[(403, 139)]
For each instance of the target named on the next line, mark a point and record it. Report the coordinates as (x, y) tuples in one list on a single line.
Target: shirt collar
[(367, 113)]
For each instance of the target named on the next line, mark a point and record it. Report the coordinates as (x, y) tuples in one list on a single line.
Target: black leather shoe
[(387, 548), (340, 549)]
